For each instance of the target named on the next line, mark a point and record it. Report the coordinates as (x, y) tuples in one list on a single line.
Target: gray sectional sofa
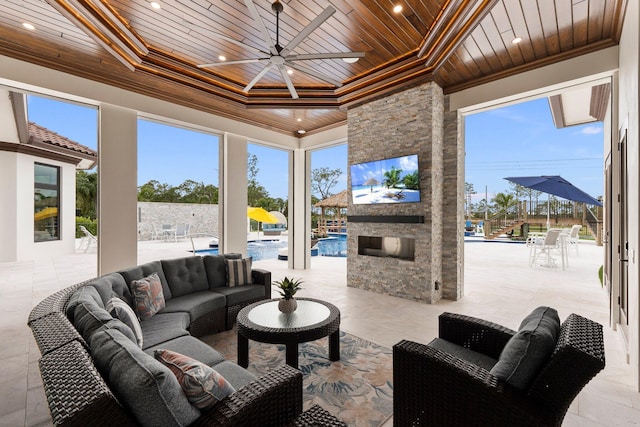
[(96, 371)]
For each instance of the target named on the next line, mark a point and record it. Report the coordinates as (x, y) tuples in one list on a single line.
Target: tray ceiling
[(456, 43)]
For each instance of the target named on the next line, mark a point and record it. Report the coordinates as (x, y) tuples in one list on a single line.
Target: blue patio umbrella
[(556, 185)]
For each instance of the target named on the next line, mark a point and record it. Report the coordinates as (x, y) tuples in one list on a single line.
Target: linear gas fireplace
[(393, 247)]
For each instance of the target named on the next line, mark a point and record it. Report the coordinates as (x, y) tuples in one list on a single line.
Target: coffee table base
[(291, 350)]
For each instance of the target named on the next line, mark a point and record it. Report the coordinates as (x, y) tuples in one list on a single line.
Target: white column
[(299, 209), (117, 188), (233, 194)]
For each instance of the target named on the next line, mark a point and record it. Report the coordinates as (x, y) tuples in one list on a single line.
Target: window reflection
[(46, 203)]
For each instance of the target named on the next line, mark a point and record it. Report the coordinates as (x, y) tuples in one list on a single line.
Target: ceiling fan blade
[(288, 81), (240, 61), (253, 10), (208, 33), (258, 76), (308, 29), (314, 73), (335, 55)]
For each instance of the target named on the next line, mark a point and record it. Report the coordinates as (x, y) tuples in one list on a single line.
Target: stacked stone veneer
[(409, 122), (202, 218)]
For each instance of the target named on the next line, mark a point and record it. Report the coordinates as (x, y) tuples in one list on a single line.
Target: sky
[(521, 140), (518, 140)]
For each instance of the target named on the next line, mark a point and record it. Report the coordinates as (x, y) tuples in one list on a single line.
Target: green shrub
[(600, 274), (90, 224)]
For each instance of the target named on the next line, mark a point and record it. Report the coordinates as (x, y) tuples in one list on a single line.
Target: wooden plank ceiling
[(456, 43)]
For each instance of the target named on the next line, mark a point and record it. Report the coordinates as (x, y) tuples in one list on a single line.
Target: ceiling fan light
[(289, 71), (350, 60)]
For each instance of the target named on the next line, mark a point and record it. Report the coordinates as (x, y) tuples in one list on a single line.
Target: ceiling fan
[(279, 56)]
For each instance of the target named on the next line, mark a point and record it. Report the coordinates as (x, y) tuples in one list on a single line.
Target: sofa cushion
[(196, 304), (185, 275), (202, 385), (140, 271), (527, 351), (142, 384), (147, 295), (83, 294), (236, 376), (121, 310), (241, 294), (164, 327), (238, 272), (216, 270), (111, 285), (463, 353), (192, 347)]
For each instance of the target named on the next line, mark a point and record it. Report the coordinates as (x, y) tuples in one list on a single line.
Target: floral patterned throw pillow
[(148, 296), (202, 384)]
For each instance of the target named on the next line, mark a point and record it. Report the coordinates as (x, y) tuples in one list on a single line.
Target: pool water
[(335, 245)]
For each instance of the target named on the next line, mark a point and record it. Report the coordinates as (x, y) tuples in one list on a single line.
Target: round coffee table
[(263, 322)]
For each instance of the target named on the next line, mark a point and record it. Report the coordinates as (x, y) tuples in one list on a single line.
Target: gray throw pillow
[(148, 389), (529, 349), (239, 271)]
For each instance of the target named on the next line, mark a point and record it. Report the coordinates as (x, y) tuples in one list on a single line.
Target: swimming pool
[(334, 245)]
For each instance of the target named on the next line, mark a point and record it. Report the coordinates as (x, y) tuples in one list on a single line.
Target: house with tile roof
[(37, 171)]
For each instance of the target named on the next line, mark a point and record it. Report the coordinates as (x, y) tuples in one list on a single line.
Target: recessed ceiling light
[(299, 120), (397, 8), (155, 5), (289, 71), (350, 60), (516, 40), (222, 58), (301, 132), (28, 26)]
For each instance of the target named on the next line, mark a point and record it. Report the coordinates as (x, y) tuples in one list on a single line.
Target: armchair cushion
[(527, 351)]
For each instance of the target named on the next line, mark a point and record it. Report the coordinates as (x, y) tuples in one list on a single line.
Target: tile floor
[(499, 286)]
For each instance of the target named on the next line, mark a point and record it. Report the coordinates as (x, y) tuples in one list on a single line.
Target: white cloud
[(591, 130)]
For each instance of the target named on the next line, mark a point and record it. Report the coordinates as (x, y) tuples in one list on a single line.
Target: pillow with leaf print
[(148, 296)]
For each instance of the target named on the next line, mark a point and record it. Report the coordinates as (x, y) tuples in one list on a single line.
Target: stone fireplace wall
[(409, 122)]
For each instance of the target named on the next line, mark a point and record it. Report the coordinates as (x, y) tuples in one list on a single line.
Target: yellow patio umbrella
[(45, 213), (262, 215)]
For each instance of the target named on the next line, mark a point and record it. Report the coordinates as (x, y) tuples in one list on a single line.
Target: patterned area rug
[(357, 389)]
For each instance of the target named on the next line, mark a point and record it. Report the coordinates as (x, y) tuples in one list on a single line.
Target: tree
[(255, 191), (469, 191), (86, 193), (323, 180), (504, 201), (412, 181)]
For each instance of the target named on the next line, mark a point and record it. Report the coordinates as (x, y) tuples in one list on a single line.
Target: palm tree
[(392, 177), (86, 193), (504, 201)]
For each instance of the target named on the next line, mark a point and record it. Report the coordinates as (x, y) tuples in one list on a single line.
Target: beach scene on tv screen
[(395, 180)]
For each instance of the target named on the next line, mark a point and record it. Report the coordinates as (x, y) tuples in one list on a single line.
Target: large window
[(46, 217)]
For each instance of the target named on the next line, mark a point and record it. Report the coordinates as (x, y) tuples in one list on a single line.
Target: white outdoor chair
[(547, 249), (156, 234), (88, 240), (574, 237), (168, 232), (182, 231)]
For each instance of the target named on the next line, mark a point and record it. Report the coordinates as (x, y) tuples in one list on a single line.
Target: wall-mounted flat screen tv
[(395, 180)]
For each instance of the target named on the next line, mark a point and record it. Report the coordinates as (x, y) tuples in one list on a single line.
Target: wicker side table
[(316, 417)]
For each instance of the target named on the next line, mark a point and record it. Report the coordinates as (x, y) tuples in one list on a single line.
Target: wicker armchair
[(434, 388)]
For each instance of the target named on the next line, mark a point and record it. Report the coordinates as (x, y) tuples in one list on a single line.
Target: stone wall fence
[(202, 218)]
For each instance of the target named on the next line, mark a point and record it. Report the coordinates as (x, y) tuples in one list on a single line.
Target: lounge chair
[(88, 240), (459, 379)]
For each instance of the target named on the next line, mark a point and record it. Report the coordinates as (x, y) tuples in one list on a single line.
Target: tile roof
[(47, 136)]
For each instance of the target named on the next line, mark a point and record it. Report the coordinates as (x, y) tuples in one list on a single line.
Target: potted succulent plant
[(287, 289)]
